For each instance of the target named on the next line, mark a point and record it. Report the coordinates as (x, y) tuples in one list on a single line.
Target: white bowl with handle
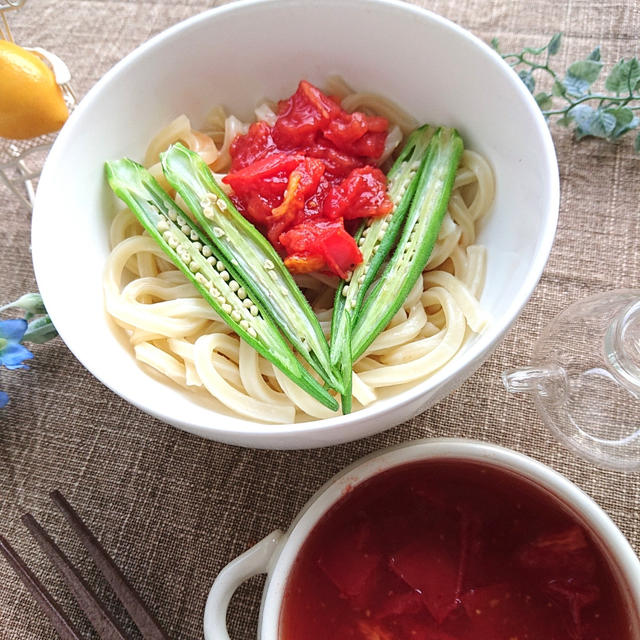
[(236, 55), (276, 554)]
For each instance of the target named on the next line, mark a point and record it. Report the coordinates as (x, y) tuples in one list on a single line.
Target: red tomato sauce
[(450, 551), (301, 179)]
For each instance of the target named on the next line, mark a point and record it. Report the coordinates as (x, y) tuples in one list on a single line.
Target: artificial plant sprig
[(35, 327), (570, 100)]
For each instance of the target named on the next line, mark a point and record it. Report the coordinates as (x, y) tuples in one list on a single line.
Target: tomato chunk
[(362, 194), (310, 241)]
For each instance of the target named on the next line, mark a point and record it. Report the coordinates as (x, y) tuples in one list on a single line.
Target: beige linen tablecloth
[(173, 509)]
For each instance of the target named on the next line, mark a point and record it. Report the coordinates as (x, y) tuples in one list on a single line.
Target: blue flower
[(4, 398), (12, 353)]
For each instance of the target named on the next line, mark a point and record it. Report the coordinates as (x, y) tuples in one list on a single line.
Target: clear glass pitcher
[(585, 378)]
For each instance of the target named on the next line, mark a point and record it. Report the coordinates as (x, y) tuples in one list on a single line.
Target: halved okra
[(419, 234), (267, 278), (220, 282), (375, 239)]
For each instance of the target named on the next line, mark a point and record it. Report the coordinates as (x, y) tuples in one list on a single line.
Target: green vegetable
[(375, 239), (219, 278), (419, 233), (605, 114), (266, 276)]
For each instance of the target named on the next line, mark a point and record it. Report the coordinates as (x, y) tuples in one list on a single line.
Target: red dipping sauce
[(450, 550), (299, 180)]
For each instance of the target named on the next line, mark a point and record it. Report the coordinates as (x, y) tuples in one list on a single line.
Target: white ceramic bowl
[(276, 554), (236, 55)]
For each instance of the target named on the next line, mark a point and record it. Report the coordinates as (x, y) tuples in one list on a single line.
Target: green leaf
[(636, 144), (495, 44), (625, 75), (623, 115), (40, 330), (565, 121), (603, 124), (554, 44), (544, 100), (528, 79), (592, 122), (29, 302), (581, 75), (558, 89), (535, 51), (594, 55)]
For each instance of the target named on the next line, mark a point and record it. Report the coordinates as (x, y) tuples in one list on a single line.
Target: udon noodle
[(175, 332)]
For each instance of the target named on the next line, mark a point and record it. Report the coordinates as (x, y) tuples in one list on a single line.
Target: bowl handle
[(252, 562)]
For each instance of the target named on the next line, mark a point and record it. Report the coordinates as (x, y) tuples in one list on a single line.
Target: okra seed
[(361, 279), (353, 304), (221, 300), (219, 266), (268, 264), (194, 267), (235, 315), (234, 286), (197, 246), (208, 212), (214, 292), (193, 235), (284, 291), (225, 276), (252, 332), (206, 251), (180, 221), (218, 232), (274, 274), (162, 225), (227, 307), (345, 291), (244, 324), (247, 303), (172, 215), (242, 294), (211, 260), (253, 310), (361, 241), (222, 205), (186, 229), (172, 241)]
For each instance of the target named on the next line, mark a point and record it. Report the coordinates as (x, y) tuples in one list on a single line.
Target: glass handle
[(547, 380)]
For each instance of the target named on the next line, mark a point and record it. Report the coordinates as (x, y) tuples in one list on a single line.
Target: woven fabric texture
[(172, 508)]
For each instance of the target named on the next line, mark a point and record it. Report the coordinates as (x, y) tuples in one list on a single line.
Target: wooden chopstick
[(101, 620), (144, 619), (50, 607)]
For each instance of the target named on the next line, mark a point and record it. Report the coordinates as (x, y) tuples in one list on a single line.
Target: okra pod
[(375, 239), (267, 278), (419, 234), (221, 282)]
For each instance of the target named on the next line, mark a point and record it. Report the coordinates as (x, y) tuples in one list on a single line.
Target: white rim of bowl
[(262, 432)]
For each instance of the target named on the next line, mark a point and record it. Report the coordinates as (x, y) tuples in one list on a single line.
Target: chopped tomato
[(301, 179), (255, 145), (311, 241), (362, 194)]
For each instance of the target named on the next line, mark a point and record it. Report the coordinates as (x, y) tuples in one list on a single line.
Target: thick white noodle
[(176, 333)]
